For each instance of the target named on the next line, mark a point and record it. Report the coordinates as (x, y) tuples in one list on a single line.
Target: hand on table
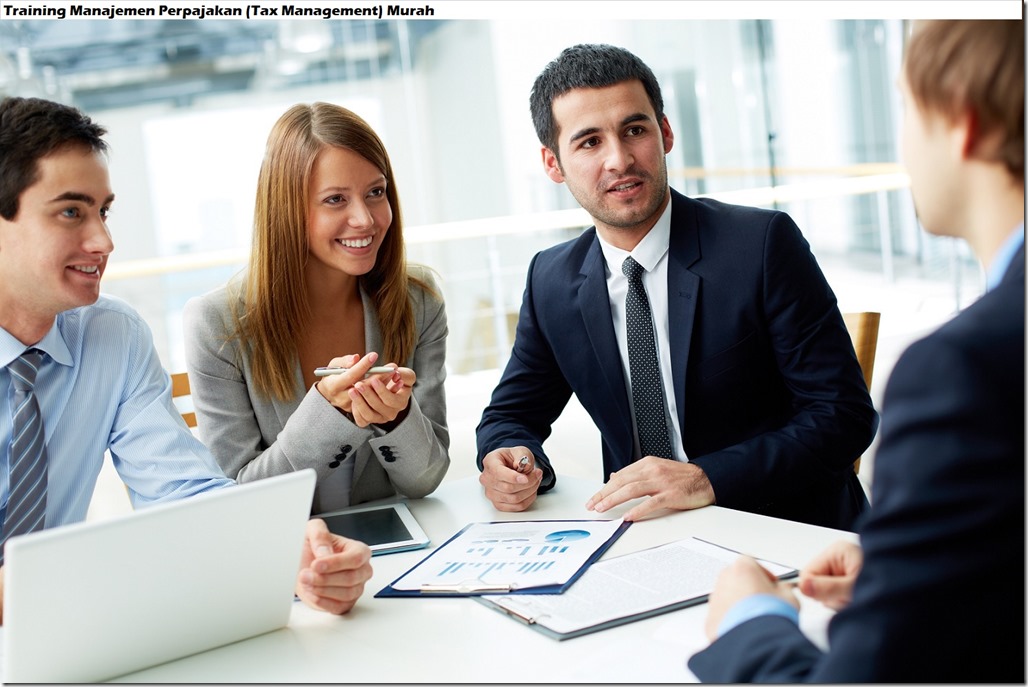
[(830, 576), (378, 399), (509, 489), (745, 577), (333, 569), (668, 483)]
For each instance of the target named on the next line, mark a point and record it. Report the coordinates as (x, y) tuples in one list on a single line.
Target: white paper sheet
[(510, 555), (629, 585)]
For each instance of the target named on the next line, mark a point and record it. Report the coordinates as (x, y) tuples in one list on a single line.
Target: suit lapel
[(683, 292), (594, 303)]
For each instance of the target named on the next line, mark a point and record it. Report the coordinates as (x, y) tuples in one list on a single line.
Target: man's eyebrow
[(81, 198), (630, 119), (582, 134), (637, 117)]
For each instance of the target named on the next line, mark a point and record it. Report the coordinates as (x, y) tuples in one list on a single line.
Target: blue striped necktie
[(26, 502)]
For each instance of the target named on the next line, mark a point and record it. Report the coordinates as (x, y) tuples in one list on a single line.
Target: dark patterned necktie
[(647, 393), (26, 501)]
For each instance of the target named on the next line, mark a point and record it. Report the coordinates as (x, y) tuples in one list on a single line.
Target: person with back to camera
[(750, 396), (328, 285), (935, 591)]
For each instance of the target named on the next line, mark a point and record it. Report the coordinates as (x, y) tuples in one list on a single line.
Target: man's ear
[(666, 134), (552, 166), (971, 142), (964, 134)]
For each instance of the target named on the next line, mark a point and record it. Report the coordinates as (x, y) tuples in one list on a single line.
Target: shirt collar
[(1005, 255), (52, 343), (647, 252)]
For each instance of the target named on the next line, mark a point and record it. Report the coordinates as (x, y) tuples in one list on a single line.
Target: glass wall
[(798, 113)]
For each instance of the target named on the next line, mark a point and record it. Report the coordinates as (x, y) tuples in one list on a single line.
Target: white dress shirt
[(651, 253)]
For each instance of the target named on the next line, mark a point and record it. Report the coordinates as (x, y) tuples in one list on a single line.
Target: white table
[(452, 640)]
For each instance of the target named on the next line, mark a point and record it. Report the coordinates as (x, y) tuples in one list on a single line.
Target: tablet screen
[(370, 526), (385, 528)]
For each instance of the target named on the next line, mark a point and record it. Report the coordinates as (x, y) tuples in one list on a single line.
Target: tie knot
[(632, 269), (23, 369)]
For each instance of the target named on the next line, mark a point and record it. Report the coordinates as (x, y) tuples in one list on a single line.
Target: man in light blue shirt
[(102, 387), (96, 377)]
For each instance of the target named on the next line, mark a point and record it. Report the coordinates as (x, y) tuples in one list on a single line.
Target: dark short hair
[(586, 66), (953, 66), (31, 129)]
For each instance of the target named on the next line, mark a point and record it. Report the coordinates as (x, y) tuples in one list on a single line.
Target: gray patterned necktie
[(26, 502), (647, 392)]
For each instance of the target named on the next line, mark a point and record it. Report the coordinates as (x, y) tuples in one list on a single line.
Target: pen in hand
[(522, 464), (327, 371)]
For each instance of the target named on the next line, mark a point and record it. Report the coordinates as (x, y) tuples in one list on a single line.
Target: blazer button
[(387, 454), (341, 456)]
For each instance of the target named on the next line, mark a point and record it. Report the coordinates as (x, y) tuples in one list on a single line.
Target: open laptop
[(95, 600)]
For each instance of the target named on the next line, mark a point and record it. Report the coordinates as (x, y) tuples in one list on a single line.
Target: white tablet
[(386, 528)]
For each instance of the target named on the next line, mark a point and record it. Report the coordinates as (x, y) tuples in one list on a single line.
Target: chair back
[(863, 329), (180, 389)]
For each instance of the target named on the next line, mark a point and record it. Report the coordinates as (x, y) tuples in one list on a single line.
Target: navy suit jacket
[(771, 400), (940, 597)]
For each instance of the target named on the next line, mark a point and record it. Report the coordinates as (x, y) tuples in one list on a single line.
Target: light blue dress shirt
[(1004, 257), (754, 606), (101, 386)]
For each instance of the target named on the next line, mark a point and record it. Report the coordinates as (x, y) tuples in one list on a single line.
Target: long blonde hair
[(276, 312)]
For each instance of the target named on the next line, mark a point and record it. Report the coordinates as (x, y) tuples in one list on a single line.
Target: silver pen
[(327, 371)]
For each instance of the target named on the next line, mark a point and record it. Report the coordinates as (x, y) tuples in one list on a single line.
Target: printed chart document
[(627, 588), (528, 556)]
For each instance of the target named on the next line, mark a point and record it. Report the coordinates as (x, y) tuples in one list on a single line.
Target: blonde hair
[(276, 313)]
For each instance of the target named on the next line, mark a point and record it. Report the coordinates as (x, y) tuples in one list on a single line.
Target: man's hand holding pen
[(743, 578), (511, 478)]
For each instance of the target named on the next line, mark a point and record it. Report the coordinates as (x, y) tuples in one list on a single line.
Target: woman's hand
[(380, 399)]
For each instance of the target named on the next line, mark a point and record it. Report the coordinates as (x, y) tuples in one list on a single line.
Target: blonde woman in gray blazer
[(327, 285)]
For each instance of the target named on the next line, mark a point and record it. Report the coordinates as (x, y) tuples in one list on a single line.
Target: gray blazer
[(253, 437)]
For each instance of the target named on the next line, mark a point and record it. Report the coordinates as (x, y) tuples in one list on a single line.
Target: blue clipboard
[(471, 589)]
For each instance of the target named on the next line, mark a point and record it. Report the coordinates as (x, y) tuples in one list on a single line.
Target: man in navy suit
[(765, 405), (935, 592)]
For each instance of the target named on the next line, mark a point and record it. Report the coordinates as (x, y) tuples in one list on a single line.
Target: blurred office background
[(799, 114)]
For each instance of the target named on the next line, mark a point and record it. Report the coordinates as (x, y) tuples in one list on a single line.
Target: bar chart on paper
[(512, 555)]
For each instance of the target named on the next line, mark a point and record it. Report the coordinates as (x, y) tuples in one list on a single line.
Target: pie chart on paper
[(567, 535)]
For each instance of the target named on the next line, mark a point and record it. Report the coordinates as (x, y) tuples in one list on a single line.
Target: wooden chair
[(863, 329), (179, 389)]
